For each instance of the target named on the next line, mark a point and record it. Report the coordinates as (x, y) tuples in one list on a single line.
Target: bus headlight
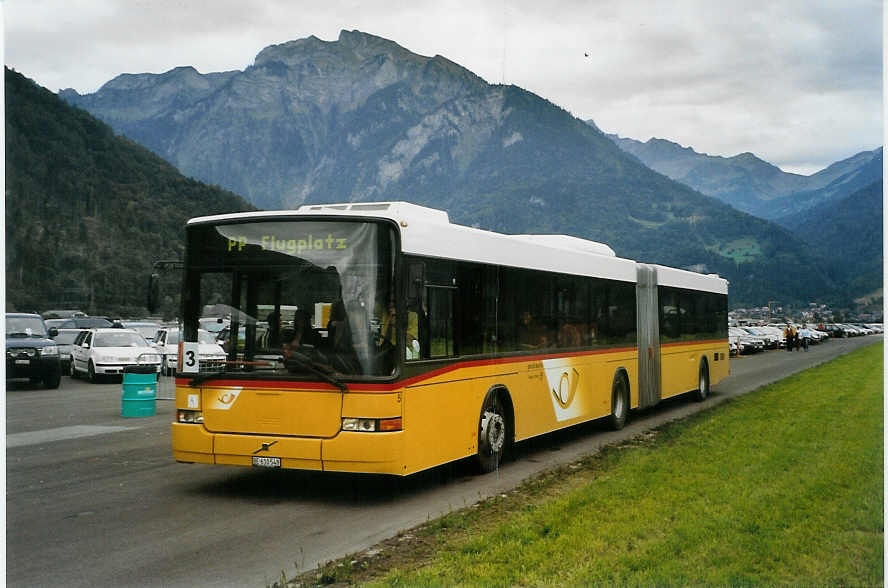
[(371, 425), (189, 416)]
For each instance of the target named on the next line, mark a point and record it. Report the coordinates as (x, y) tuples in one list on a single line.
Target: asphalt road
[(95, 499)]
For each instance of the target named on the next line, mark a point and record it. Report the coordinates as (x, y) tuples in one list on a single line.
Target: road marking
[(60, 434)]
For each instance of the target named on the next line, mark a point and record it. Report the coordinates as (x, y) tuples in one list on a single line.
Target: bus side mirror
[(415, 284), (153, 293)]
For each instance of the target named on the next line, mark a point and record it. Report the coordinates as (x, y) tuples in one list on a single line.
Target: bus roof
[(429, 232)]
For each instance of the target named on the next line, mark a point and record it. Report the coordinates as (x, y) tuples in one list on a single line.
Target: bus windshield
[(296, 297)]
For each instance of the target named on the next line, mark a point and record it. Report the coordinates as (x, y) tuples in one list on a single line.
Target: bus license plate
[(267, 462)]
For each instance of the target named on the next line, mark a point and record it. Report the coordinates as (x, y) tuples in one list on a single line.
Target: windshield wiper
[(18, 334), (321, 370)]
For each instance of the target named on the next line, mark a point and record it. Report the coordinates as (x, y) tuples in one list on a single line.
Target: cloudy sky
[(797, 82)]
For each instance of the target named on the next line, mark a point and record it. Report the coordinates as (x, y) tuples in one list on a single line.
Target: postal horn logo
[(226, 399), (567, 388)]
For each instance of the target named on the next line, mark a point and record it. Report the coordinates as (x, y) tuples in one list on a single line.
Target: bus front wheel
[(493, 432), (619, 402)]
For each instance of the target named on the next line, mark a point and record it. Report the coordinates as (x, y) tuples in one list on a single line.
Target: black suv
[(30, 353)]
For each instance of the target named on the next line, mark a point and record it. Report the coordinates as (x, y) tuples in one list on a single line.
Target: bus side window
[(413, 345), (417, 323), (440, 322)]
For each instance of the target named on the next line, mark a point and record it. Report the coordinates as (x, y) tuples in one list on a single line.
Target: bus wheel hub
[(493, 431)]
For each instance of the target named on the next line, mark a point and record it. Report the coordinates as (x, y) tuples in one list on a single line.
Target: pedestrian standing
[(805, 335)]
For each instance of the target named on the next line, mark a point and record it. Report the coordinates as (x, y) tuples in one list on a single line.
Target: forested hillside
[(88, 212), (850, 229)]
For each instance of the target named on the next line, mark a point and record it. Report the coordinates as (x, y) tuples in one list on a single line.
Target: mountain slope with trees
[(363, 119), (851, 230), (88, 212)]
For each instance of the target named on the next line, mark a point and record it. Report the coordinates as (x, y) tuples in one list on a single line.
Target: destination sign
[(291, 246)]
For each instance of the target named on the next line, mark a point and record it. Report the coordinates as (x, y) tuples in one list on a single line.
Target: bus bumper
[(371, 453), (377, 453)]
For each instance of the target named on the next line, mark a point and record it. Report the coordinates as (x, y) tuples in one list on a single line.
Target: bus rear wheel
[(702, 392), (619, 403), (493, 432)]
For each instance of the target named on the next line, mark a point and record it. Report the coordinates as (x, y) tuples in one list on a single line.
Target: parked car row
[(751, 339), (853, 330), (742, 342)]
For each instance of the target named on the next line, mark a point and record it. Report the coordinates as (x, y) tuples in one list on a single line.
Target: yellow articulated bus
[(409, 341)]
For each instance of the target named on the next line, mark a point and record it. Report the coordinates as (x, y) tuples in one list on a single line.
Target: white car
[(99, 352), (212, 356), (772, 340)]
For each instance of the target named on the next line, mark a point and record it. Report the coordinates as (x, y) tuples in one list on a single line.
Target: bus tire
[(702, 391), (494, 430), (619, 402)]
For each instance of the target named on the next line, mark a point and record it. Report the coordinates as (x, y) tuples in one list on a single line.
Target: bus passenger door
[(648, 329)]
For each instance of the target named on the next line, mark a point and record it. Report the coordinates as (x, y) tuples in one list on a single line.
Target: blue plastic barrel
[(139, 391)]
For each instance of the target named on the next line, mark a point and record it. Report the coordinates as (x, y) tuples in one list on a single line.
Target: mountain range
[(363, 119), (751, 184)]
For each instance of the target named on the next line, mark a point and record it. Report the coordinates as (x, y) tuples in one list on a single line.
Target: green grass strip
[(780, 486)]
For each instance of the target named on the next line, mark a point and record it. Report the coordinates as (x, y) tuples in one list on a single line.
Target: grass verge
[(781, 486)]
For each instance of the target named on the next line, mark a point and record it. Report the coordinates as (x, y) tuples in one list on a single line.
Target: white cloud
[(796, 82)]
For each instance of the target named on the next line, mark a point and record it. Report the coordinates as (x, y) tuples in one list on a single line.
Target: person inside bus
[(274, 330), (343, 356), (385, 340), (532, 333), (387, 325), (569, 336), (303, 333), (339, 334)]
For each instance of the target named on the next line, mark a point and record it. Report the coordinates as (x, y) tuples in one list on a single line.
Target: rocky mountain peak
[(665, 147), (366, 45), (292, 52), (351, 45), (181, 76)]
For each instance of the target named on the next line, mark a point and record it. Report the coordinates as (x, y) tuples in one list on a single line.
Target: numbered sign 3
[(189, 357)]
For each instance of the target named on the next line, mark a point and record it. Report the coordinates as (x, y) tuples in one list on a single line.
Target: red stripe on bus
[(412, 381), (689, 343), (389, 387)]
